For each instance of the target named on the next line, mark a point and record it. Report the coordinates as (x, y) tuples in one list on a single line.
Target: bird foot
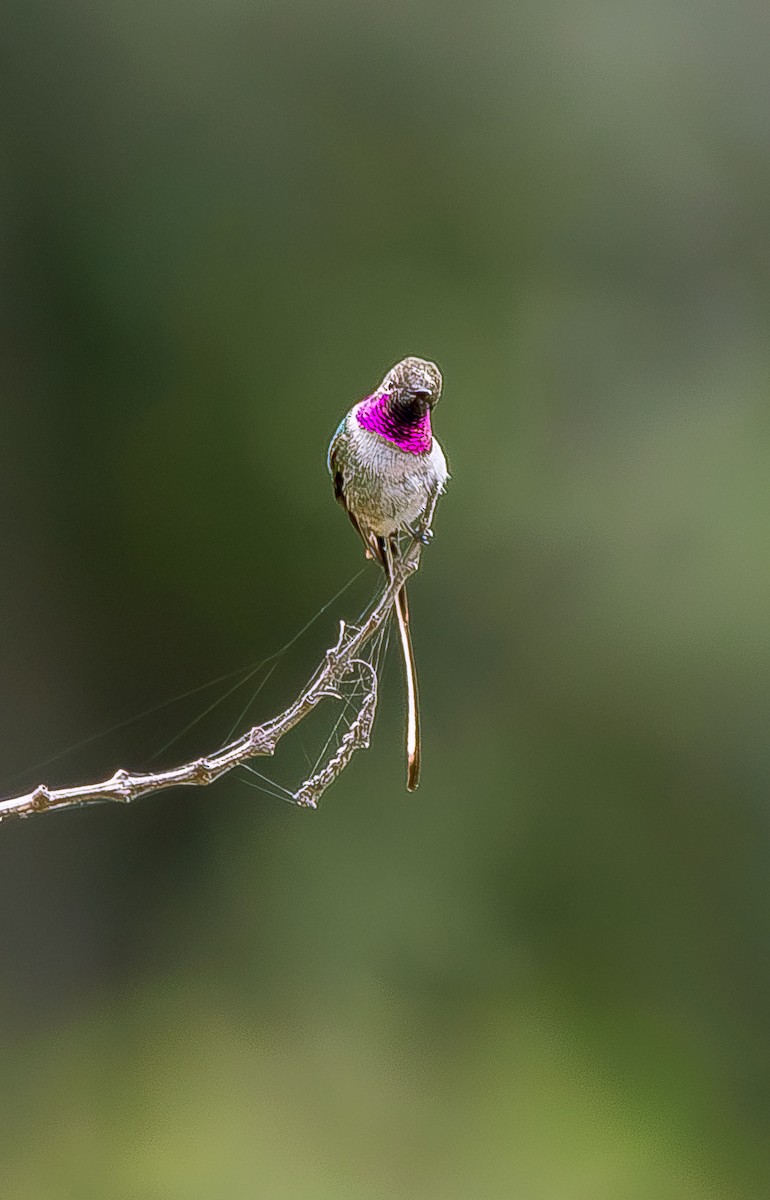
[(420, 535)]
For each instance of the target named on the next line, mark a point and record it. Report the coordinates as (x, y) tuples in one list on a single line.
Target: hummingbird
[(388, 472)]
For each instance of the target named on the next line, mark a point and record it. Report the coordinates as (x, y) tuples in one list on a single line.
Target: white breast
[(390, 488)]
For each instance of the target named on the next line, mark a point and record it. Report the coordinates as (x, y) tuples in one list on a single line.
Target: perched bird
[(388, 472)]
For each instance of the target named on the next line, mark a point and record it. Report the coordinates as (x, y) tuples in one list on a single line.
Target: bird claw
[(420, 535)]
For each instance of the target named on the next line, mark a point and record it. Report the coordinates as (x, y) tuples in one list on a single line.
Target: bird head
[(414, 387)]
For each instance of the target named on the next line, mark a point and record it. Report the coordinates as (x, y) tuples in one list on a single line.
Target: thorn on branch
[(120, 785), (40, 799), (202, 772)]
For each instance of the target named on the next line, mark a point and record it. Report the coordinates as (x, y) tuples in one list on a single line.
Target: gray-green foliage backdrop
[(544, 976)]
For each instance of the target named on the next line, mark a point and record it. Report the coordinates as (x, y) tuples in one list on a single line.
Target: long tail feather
[(413, 738), (389, 550)]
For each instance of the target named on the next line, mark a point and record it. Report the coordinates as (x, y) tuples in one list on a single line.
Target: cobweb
[(331, 730)]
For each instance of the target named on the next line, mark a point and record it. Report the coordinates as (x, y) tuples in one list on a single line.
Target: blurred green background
[(545, 976)]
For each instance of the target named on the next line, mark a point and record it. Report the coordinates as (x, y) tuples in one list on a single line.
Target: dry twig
[(338, 662)]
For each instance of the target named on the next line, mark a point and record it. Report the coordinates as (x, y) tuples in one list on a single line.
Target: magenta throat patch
[(375, 415)]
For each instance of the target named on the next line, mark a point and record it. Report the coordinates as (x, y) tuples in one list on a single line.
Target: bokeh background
[(545, 976)]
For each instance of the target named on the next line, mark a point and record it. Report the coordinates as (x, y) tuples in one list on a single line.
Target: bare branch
[(339, 661)]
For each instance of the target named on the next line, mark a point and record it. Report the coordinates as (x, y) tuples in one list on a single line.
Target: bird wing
[(334, 446), (334, 463)]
